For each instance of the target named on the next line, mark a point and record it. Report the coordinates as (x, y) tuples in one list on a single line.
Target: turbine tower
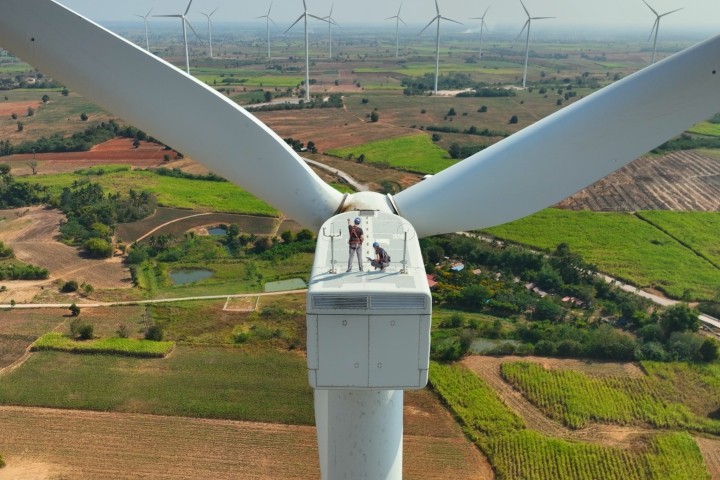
[(482, 27), (331, 22), (147, 40), (656, 27), (437, 19), (184, 20), (267, 26), (368, 332), (304, 16), (527, 38), (397, 29), (210, 28)]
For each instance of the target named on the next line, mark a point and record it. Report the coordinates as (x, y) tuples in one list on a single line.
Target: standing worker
[(357, 236)]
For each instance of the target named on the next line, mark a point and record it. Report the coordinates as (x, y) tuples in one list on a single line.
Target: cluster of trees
[(686, 141), (299, 146), (597, 320), (78, 142), (471, 130), (15, 271), (454, 81), (333, 101), (178, 173), (488, 92), (19, 194), (92, 215)]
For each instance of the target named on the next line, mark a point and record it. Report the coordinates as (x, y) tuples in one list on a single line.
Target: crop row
[(576, 399), (518, 453)]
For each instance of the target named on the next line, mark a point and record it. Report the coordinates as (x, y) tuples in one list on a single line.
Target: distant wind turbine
[(527, 38), (397, 29), (304, 16), (437, 19), (267, 26), (331, 22), (656, 27), (210, 28), (482, 25), (184, 20), (147, 41)]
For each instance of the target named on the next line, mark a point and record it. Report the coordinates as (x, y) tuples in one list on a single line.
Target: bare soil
[(115, 151), (54, 444), (710, 449), (32, 233), (680, 181), (488, 368)]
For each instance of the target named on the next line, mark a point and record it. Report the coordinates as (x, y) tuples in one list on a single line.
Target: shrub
[(513, 119), (98, 248), (69, 286), (85, 332), (123, 331), (374, 117), (154, 332), (74, 310), (83, 117)]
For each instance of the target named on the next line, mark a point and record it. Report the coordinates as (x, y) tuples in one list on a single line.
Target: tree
[(20, 126), (98, 248), (455, 151), (33, 166), (83, 116), (154, 332), (679, 318), (136, 143), (436, 137), (513, 119), (74, 310), (69, 286), (268, 96), (30, 111), (451, 112), (85, 332), (482, 109), (65, 92), (374, 116)]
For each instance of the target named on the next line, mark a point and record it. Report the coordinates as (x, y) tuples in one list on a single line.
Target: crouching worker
[(356, 238), (382, 259)]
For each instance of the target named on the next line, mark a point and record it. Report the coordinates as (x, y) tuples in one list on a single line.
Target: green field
[(706, 128), (518, 453), (624, 246), (113, 346), (414, 153), (577, 399), (210, 382), (198, 195)]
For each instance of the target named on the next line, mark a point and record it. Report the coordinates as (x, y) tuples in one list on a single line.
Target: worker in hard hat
[(355, 241)]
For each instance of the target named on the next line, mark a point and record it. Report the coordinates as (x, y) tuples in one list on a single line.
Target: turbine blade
[(486, 10), (304, 6), (426, 26), (399, 8), (571, 148), (261, 16), (526, 10), (148, 13), (652, 9), (541, 18), (205, 125), (211, 13), (451, 20), (672, 11), (193, 30), (332, 5), (402, 21), (272, 21), (168, 16), (655, 26), (390, 18), (437, 8), (294, 23), (269, 9), (317, 18), (188, 7), (523, 29)]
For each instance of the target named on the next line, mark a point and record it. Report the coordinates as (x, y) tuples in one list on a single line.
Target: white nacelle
[(368, 329)]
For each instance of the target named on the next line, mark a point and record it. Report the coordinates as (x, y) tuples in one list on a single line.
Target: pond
[(484, 345), (189, 275), (217, 231)]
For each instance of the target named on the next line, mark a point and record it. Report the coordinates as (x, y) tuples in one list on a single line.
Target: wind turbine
[(147, 40), (184, 20), (331, 22), (656, 27), (527, 38), (267, 26), (482, 25), (397, 29), (304, 16), (360, 426), (210, 28), (437, 19)]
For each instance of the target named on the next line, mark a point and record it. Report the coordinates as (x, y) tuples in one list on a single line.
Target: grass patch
[(130, 347), (516, 452), (414, 153), (706, 128), (621, 245), (200, 195), (210, 382)]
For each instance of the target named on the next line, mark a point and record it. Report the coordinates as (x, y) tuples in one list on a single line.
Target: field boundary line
[(172, 221)]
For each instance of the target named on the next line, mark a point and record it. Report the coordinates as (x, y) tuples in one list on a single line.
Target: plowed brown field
[(48, 444), (681, 181), (710, 449)]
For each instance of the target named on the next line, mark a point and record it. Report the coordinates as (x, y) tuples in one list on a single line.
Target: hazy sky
[(703, 14)]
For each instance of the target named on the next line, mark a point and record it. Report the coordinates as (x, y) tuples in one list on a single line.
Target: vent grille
[(338, 302), (411, 302)]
